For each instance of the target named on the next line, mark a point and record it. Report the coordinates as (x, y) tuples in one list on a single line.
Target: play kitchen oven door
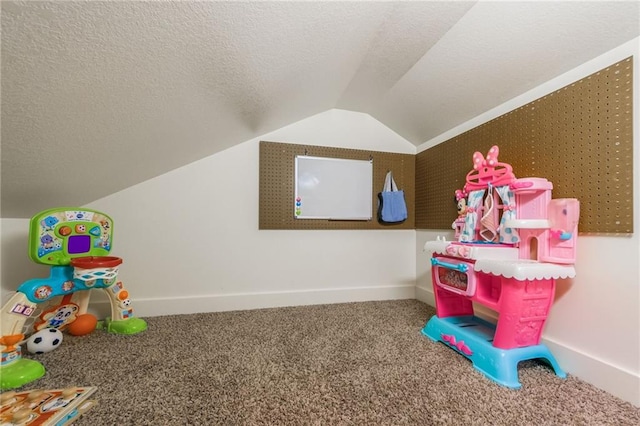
[(454, 275)]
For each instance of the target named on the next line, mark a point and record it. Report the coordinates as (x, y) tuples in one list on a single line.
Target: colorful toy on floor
[(55, 407), (76, 244), (513, 242)]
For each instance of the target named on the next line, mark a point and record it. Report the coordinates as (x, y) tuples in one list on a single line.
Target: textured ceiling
[(101, 95)]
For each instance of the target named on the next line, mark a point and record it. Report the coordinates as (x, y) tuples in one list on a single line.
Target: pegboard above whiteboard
[(277, 181), (333, 188)]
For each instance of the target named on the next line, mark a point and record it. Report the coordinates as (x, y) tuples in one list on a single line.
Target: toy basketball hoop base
[(132, 325), (20, 372), (95, 267)]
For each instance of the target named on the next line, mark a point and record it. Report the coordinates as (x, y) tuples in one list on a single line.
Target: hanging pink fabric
[(489, 220)]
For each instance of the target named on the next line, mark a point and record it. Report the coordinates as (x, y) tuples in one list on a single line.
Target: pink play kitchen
[(512, 242)]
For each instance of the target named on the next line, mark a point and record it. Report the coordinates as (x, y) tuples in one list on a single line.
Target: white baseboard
[(617, 381), (425, 295), (245, 301)]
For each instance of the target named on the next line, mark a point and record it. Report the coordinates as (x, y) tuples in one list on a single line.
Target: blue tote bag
[(392, 207)]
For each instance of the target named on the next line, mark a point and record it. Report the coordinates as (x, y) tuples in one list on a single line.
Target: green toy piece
[(20, 372)]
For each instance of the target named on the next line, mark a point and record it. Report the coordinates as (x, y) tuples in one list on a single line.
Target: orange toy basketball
[(84, 324)]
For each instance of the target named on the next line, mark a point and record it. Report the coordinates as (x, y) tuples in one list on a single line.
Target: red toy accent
[(91, 262), (84, 324)]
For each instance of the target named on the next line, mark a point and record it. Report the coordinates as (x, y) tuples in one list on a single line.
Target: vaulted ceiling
[(101, 95)]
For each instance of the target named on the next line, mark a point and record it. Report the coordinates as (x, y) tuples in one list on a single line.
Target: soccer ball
[(44, 341)]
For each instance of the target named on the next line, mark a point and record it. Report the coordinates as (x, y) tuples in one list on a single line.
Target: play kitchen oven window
[(454, 275)]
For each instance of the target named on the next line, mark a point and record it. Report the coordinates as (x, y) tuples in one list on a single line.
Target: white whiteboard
[(333, 188)]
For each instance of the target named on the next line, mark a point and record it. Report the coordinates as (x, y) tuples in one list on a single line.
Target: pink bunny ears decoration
[(488, 170)]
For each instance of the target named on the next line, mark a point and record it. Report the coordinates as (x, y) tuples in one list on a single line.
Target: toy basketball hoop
[(95, 267)]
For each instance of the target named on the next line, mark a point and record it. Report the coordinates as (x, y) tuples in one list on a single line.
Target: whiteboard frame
[(358, 193)]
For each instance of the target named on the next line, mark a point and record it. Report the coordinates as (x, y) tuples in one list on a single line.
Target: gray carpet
[(343, 364)]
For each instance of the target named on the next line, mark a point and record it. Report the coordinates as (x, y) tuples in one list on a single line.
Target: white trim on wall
[(260, 300)]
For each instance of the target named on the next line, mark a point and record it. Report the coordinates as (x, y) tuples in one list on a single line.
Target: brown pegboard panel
[(579, 137), (276, 186)]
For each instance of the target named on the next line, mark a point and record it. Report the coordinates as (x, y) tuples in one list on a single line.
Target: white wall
[(593, 328), (190, 239), (16, 267)]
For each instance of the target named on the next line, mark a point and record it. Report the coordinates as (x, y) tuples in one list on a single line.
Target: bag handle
[(389, 183)]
